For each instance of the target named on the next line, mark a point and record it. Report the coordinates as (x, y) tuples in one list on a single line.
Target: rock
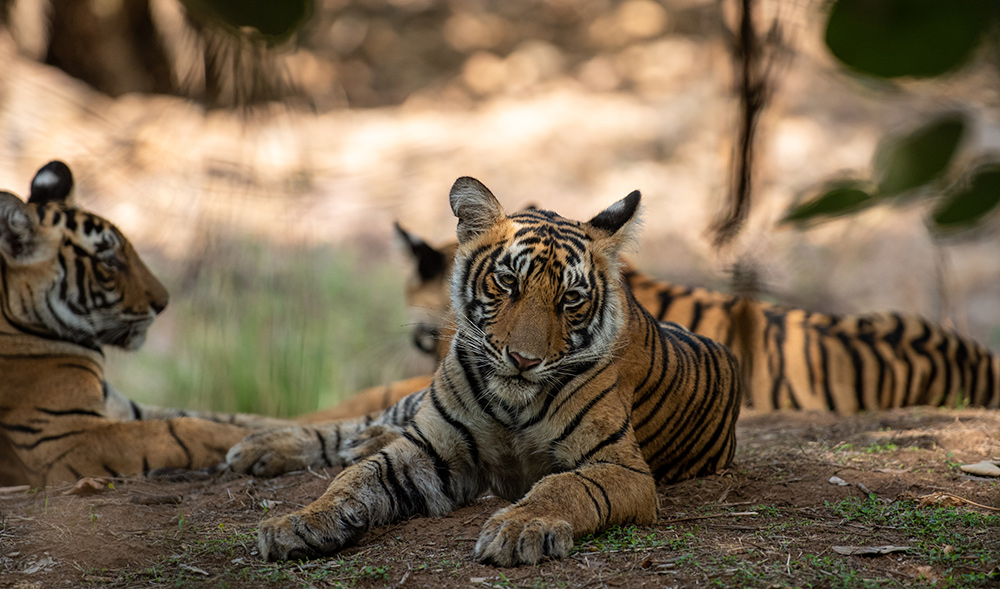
[(983, 468)]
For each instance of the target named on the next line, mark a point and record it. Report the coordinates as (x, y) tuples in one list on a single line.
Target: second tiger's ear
[(21, 240), (475, 206), (430, 262)]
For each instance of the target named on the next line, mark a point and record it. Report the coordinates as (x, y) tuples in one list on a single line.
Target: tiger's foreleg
[(273, 452), (403, 479), (565, 506)]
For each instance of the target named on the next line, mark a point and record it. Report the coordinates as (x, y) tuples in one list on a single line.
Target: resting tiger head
[(535, 295), (69, 274), (427, 292)]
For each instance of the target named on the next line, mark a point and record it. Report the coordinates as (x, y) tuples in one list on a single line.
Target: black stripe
[(45, 439), (68, 412), (478, 388), (84, 367), (411, 500), (322, 447), (441, 467), (593, 500), (948, 372), (380, 477), (776, 327), (624, 466), (575, 422), (187, 453), (24, 429), (696, 316), (826, 373), (611, 439), (604, 493), (568, 395), (457, 425), (338, 439)]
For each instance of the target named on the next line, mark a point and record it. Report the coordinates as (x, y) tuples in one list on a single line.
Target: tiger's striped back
[(846, 363), (798, 359)]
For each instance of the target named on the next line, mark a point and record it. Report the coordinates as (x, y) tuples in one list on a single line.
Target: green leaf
[(966, 205), (904, 163), (919, 38), (843, 198), (272, 20)]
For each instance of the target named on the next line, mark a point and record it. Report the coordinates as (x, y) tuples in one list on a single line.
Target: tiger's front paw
[(512, 537), (287, 537), (367, 442), (299, 535), (273, 452)]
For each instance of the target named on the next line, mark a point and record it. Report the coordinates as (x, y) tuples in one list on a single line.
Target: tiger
[(559, 393), (72, 284), (792, 358)]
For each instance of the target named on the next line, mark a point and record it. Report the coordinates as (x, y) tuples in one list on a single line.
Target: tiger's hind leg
[(133, 447)]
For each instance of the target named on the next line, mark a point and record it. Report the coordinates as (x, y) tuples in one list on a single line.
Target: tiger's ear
[(430, 262), (19, 234), (53, 182), (475, 206), (619, 222)]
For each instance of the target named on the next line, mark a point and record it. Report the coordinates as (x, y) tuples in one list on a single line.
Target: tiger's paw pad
[(274, 452), (511, 539), (367, 442)]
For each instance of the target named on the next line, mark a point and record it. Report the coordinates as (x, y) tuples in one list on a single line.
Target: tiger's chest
[(516, 460)]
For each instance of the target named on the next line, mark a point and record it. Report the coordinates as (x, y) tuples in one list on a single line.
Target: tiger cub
[(71, 284), (559, 392), (794, 359)]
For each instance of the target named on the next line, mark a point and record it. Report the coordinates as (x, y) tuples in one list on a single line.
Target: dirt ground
[(776, 518)]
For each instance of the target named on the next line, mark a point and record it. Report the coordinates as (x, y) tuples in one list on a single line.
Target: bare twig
[(754, 80)]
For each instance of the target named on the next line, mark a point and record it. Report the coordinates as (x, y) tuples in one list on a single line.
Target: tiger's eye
[(572, 297), (507, 280)]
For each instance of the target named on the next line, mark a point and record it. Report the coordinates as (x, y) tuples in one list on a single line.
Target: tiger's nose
[(158, 304), (426, 338), (521, 362)]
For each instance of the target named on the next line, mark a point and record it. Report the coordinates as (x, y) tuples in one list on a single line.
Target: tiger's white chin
[(514, 390)]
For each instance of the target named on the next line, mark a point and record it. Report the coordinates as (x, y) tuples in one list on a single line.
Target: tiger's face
[(70, 274), (427, 293), (534, 293)]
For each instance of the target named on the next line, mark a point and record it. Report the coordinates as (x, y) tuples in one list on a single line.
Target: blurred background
[(257, 156)]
